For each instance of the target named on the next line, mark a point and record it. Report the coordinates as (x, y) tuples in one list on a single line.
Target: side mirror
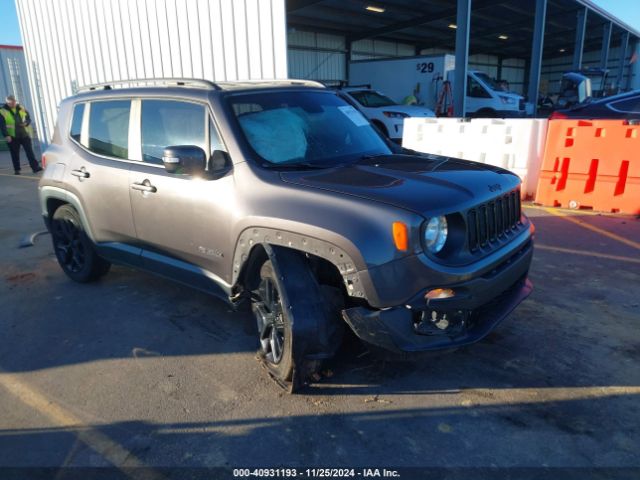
[(184, 159)]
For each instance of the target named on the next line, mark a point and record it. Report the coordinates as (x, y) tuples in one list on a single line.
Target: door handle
[(81, 173), (145, 187)]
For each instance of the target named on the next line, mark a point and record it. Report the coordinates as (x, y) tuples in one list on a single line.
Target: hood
[(425, 184), (516, 96), (411, 110)]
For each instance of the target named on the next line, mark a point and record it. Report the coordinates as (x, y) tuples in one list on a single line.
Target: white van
[(423, 78)]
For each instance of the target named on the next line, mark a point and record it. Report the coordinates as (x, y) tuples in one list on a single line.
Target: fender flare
[(48, 192), (267, 237)]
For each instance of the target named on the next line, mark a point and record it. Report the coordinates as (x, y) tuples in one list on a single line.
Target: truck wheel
[(73, 248), (486, 113)]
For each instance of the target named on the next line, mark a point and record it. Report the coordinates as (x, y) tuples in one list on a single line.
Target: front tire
[(274, 325), (73, 248)]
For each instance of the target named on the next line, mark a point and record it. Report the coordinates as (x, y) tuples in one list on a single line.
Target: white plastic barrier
[(515, 144)]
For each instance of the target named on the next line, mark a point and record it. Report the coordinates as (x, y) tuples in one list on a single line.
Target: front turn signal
[(401, 236)]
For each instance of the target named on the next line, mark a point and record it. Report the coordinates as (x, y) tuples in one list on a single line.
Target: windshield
[(371, 99), (597, 82), (490, 82), (310, 127)]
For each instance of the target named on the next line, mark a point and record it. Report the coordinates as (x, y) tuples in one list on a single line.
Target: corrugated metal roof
[(426, 23), (601, 11)]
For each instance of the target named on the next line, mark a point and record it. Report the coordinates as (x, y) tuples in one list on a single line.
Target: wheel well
[(488, 112), (53, 204), (381, 127), (249, 277), (326, 273)]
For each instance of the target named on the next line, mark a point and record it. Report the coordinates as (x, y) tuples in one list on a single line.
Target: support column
[(463, 22), (633, 67), (581, 24), (624, 45), (535, 66), (347, 59), (606, 43)]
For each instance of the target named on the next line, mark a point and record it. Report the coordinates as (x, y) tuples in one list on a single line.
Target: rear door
[(182, 221), (99, 168)]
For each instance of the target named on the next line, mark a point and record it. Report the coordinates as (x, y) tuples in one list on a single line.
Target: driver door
[(477, 96)]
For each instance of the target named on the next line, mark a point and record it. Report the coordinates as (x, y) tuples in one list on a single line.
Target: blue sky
[(626, 10), (10, 31)]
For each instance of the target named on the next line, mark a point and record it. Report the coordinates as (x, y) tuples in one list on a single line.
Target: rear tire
[(74, 249)]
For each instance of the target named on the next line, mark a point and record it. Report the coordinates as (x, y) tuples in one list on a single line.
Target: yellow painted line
[(578, 212), (572, 251), (112, 451), (593, 228), (24, 177)]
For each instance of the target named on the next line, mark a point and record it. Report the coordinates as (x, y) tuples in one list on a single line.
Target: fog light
[(437, 293), (434, 322)]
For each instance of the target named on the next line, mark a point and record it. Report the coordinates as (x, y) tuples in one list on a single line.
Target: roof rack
[(168, 82)]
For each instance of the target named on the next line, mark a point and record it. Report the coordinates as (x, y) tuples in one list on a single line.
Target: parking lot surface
[(137, 371)]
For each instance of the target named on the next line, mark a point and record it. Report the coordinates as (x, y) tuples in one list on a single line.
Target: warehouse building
[(13, 75), (527, 43)]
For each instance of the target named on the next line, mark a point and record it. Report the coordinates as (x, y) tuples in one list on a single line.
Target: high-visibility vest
[(10, 121)]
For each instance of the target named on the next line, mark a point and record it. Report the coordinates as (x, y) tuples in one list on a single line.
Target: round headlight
[(435, 235)]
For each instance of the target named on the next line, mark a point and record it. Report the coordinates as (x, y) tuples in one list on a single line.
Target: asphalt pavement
[(138, 372)]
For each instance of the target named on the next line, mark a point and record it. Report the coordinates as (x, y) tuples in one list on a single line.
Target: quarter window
[(76, 122), (171, 123), (109, 128)]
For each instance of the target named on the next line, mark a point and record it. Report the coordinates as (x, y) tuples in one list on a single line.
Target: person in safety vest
[(15, 126)]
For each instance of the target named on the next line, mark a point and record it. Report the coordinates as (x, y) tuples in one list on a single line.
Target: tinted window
[(109, 128), (489, 81), (475, 90), (168, 123), (76, 122), (372, 99), (631, 105), (310, 127)]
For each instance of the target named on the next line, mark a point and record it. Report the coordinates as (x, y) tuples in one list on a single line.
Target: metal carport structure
[(549, 35)]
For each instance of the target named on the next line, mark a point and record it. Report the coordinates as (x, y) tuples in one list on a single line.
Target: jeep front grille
[(493, 221)]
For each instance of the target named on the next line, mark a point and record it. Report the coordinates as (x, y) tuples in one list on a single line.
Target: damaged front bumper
[(478, 306)]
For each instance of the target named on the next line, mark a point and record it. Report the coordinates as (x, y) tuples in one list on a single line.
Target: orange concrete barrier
[(591, 164)]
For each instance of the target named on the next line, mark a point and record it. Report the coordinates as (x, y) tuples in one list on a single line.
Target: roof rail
[(229, 84), (138, 82), (344, 84)]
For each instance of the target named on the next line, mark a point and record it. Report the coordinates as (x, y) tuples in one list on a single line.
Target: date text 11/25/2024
[(315, 473)]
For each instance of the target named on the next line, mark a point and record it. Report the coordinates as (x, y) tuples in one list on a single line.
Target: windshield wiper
[(299, 166), (375, 155)]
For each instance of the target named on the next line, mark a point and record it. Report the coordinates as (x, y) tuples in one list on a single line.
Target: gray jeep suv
[(281, 195)]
